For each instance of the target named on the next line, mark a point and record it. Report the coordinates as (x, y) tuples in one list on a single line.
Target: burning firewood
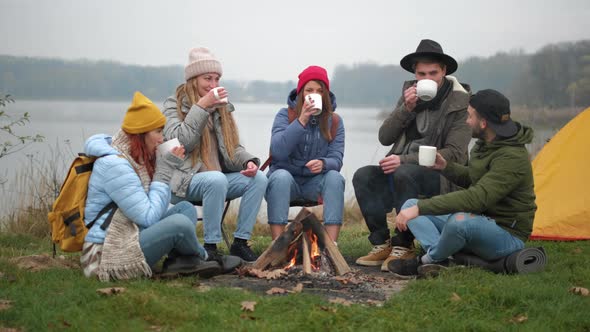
[(305, 237)]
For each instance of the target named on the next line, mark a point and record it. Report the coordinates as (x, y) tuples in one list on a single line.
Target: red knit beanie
[(313, 73)]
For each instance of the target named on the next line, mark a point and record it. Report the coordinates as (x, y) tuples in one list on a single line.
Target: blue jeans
[(212, 188), (329, 186), (442, 236), (176, 230)]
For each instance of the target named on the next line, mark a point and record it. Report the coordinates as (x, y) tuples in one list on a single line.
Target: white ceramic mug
[(426, 89), (317, 102), (216, 94), (426, 155), (167, 146)]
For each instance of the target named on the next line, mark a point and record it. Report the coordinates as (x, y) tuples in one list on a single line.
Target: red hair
[(140, 154)]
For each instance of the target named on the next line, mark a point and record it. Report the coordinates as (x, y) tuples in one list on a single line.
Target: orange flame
[(314, 252), (293, 260)]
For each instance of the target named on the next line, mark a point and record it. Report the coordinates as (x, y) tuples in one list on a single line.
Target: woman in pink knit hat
[(307, 147), (216, 166)]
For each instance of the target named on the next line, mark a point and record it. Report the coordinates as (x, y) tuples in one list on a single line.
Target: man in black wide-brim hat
[(438, 122)]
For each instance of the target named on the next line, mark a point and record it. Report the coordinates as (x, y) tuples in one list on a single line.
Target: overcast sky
[(275, 40)]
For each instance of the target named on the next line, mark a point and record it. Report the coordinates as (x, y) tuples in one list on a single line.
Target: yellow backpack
[(66, 218)]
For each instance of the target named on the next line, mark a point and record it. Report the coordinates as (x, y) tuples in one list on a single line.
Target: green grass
[(60, 298)]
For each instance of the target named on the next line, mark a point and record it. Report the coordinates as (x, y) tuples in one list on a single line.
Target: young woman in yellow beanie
[(216, 166), (128, 198)]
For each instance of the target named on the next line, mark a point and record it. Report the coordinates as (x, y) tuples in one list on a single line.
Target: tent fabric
[(562, 184)]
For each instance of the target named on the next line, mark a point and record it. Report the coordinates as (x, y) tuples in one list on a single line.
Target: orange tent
[(562, 183)]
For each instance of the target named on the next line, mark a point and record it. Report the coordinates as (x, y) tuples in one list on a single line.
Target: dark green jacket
[(499, 182)]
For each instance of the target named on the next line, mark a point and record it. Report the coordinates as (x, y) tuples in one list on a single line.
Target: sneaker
[(404, 268), (376, 256), (229, 263), (189, 265), (431, 270), (212, 253), (397, 253), (241, 249)]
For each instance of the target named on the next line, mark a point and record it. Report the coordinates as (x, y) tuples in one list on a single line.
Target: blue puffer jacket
[(114, 179), (293, 145)]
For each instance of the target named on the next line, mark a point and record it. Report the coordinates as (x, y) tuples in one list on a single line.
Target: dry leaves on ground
[(298, 288), (202, 288), (276, 290), (5, 304), (455, 297), (519, 319), (272, 274), (110, 290), (248, 305), (580, 291), (339, 300)]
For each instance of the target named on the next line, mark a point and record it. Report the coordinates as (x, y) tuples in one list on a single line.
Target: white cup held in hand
[(426, 89), (317, 102), (216, 94), (426, 155), (167, 146)]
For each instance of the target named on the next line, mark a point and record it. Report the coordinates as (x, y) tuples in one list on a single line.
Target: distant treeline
[(555, 76)]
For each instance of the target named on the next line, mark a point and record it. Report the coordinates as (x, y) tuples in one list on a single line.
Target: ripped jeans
[(442, 236)]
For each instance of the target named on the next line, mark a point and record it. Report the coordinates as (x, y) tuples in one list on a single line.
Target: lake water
[(67, 124)]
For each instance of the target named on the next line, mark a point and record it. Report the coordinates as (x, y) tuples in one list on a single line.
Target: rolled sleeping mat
[(462, 258), (526, 260)]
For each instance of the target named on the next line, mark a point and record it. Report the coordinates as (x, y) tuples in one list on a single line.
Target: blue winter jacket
[(114, 179), (293, 145)]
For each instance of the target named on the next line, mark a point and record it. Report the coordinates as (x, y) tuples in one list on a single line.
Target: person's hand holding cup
[(214, 98), (310, 107), (316, 100), (173, 146), (426, 155), (220, 94)]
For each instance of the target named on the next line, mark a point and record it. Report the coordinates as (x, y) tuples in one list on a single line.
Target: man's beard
[(477, 133)]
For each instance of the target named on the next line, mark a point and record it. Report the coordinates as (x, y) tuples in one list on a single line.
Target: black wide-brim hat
[(429, 48)]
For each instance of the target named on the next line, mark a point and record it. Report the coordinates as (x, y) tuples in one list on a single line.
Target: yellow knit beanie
[(142, 116)]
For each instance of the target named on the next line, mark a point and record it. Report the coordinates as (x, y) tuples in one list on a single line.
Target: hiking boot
[(432, 270), (241, 249), (397, 253), (189, 265), (404, 268), (376, 256)]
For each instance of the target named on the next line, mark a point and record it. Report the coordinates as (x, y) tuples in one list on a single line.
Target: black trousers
[(378, 193)]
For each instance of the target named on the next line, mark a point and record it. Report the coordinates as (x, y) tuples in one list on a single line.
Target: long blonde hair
[(229, 130), (326, 109)]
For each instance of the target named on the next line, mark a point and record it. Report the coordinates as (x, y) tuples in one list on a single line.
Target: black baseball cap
[(495, 108)]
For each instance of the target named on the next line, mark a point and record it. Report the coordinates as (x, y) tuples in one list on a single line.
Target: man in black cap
[(493, 216), (438, 122)]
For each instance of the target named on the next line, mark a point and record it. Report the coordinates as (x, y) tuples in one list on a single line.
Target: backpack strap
[(111, 206)]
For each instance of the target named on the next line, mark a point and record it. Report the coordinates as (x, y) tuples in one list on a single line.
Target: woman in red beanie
[(307, 147)]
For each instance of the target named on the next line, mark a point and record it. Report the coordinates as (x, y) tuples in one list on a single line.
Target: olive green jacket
[(499, 182)]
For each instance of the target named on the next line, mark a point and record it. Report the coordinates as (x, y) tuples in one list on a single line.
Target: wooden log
[(277, 252), (340, 264), (305, 254)]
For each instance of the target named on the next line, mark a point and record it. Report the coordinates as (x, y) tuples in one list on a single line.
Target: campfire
[(304, 243)]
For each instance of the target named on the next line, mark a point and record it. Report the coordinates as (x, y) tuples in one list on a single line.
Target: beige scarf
[(122, 257)]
